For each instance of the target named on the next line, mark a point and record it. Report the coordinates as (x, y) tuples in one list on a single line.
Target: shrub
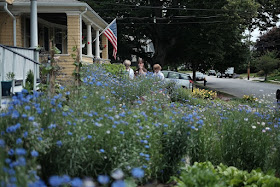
[(205, 174), (114, 69)]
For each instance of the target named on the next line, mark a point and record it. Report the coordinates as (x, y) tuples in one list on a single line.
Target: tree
[(269, 41), (202, 33), (267, 63)]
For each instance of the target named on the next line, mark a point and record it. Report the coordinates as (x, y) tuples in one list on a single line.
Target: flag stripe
[(110, 39), (111, 34)]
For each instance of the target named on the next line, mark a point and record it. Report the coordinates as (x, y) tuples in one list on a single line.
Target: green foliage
[(268, 63), (114, 69), (10, 75), (205, 174), (29, 82)]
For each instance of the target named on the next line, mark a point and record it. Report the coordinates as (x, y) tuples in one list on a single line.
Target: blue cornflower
[(102, 150), (118, 183), (8, 161), (15, 114), (59, 143), (21, 161), (11, 152), (67, 93), (84, 97), (34, 153), (108, 102), (102, 97), (137, 173), (76, 182), (40, 138), (27, 107), (70, 133), (55, 181), (66, 179), (121, 132), (98, 84), (142, 154), (146, 146), (19, 141), (2, 143), (103, 179), (13, 180), (31, 118), (20, 151), (89, 137), (51, 126), (53, 110), (25, 134)]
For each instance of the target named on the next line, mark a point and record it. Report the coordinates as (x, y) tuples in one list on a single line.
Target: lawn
[(113, 131)]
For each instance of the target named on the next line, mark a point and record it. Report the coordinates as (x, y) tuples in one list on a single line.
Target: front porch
[(65, 25)]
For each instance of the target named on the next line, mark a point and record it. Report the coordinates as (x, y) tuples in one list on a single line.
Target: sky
[(256, 33)]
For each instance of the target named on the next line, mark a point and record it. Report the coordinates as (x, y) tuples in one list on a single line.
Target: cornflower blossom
[(137, 173), (103, 179)]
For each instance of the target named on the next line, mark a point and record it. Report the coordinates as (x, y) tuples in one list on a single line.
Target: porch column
[(105, 47), (97, 42), (89, 41), (33, 24)]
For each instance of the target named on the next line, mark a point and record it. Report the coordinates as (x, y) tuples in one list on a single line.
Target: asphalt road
[(240, 87)]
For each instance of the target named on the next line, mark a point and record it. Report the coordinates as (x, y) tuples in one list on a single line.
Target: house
[(28, 24)]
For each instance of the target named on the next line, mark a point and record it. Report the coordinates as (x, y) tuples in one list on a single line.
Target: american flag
[(111, 33)]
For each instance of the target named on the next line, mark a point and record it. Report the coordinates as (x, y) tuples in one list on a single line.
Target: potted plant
[(7, 85)]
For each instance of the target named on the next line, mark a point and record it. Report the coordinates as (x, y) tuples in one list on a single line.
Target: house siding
[(105, 49), (73, 39), (6, 29)]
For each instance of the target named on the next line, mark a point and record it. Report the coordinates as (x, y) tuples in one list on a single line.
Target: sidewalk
[(261, 79)]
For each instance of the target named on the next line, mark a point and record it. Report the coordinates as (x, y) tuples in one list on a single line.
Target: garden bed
[(111, 130)]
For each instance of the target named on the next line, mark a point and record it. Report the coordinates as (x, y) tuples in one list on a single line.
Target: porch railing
[(19, 61)]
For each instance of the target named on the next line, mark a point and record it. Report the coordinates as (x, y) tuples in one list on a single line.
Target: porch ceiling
[(59, 6)]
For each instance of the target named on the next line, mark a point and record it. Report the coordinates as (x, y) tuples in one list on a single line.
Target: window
[(185, 77), (173, 75)]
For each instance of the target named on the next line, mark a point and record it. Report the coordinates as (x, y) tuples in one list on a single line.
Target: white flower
[(263, 123), (254, 127), (245, 119), (108, 132), (88, 183), (117, 174)]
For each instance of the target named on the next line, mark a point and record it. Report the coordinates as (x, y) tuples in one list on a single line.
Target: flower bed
[(111, 126)]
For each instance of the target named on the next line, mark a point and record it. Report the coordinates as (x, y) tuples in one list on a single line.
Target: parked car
[(220, 75), (180, 79), (199, 76), (212, 72)]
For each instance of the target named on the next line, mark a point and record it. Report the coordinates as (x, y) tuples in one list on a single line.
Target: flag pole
[(104, 30)]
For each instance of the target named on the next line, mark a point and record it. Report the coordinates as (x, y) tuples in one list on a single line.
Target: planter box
[(6, 88)]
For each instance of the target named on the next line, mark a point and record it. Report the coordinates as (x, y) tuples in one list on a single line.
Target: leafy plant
[(205, 174), (29, 82), (10, 75)]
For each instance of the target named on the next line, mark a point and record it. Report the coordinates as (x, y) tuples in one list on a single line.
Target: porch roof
[(60, 6)]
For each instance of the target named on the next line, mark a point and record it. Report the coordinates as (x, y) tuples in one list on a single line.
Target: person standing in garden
[(141, 69), (157, 72), (130, 71)]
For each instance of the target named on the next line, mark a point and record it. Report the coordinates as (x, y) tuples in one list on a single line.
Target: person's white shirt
[(130, 73), (160, 75)]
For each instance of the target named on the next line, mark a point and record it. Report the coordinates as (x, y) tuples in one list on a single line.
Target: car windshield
[(165, 73), (184, 76)]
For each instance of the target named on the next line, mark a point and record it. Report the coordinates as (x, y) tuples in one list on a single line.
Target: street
[(239, 87)]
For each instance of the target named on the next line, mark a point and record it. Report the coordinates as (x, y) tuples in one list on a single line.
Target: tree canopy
[(203, 33)]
